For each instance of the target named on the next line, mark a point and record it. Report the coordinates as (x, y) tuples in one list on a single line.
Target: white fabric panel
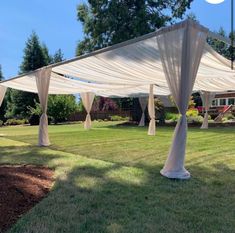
[(2, 93), (151, 110), (136, 63), (143, 104), (207, 98), (43, 82), (87, 100), (64, 85), (139, 91), (181, 51)]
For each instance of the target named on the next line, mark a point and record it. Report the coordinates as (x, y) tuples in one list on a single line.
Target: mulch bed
[(21, 187)]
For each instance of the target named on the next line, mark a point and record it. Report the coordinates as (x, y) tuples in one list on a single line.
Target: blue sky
[(55, 23)]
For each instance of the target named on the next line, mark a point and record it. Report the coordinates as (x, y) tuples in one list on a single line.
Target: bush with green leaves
[(35, 114), (170, 116), (230, 116), (192, 112), (119, 118), (60, 107), (1, 123), (16, 122), (195, 119)]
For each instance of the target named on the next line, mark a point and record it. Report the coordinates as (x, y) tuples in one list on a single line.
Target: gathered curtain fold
[(180, 52), (87, 100), (2, 93), (151, 111), (143, 104), (43, 81), (207, 98)]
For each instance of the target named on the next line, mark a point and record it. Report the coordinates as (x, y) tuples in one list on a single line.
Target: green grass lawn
[(107, 180)]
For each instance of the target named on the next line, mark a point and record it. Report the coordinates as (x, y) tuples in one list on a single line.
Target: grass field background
[(107, 179)]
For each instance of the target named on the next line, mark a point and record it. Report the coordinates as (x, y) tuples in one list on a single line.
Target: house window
[(222, 102), (215, 102), (231, 101)]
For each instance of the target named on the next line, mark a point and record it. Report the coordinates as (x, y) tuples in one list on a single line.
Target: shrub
[(118, 118), (171, 116), (34, 119), (16, 122), (60, 107), (192, 112), (230, 116), (195, 119), (35, 114), (1, 123), (224, 119)]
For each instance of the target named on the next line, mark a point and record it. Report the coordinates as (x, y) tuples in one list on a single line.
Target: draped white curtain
[(2, 93), (151, 110), (207, 98), (180, 51), (143, 104), (43, 82), (87, 100)]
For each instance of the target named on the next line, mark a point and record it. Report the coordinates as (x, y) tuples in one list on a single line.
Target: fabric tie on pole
[(87, 123), (151, 110), (43, 82), (207, 98), (143, 104), (2, 93), (180, 51), (87, 100)]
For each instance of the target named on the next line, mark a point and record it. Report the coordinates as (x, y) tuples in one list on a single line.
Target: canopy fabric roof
[(127, 69), (64, 85)]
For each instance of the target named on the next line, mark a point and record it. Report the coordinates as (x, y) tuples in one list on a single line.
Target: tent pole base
[(182, 175)]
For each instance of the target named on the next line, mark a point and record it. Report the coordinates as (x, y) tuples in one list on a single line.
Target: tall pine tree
[(35, 56), (58, 56), (3, 105), (1, 75)]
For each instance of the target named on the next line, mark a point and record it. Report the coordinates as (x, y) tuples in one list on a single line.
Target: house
[(222, 103), (224, 99)]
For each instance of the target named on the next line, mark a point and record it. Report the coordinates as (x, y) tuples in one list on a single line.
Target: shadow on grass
[(97, 196)]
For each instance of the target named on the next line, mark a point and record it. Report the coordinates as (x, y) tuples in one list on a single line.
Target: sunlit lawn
[(107, 179)]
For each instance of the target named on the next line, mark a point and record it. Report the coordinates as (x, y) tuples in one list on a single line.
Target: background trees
[(22, 104), (3, 106), (1, 75), (60, 107), (35, 56), (109, 22)]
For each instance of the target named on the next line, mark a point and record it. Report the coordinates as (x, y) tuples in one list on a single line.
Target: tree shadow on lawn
[(97, 196)]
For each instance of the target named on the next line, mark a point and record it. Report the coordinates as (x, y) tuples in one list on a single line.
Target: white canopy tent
[(174, 60)]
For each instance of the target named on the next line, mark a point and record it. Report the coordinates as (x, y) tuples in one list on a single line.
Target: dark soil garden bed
[(21, 187)]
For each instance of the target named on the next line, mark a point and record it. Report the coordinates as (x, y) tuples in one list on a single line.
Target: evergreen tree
[(35, 56), (1, 75), (48, 59), (58, 56), (3, 105), (219, 46)]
